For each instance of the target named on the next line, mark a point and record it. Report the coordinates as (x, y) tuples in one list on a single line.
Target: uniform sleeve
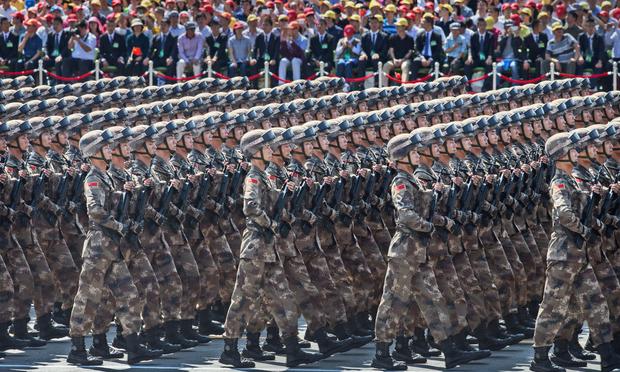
[(563, 208), (403, 199), (252, 202), (95, 203)]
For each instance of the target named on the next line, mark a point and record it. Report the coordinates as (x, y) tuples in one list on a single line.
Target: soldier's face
[(371, 135), (357, 138), (414, 157), (466, 143), (487, 110), (188, 141), (450, 146), (323, 143), (343, 141), (238, 133), (598, 117), (384, 131), (435, 150), (150, 146), (435, 120), (472, 112), (106, 151), (308, 117), (537, 127), (308, 148), (527, 130), (573, 156), (513, 104), (547, 124), (445, 118), (587, 117), (223, 132), (61, 137), (46, 139), (560, 123), (207, 136), (610, 112), (171, 141), (608, 148), (592, 151), (267, 153), (457, 115), (492, 137), (483, 141), (422, 122), (124, 150), (349, 110), (320, 115), (409, 123)]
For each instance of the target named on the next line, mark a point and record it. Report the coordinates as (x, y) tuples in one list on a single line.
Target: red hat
[(505, 6), (18, 15), (604, 13), (279, 2), (225, 15), (429, 5), (403, 9), (71, 18), (539, 6), (238, 26), (338, 6), (230, 3), (410, 16), (111, 17), (516, 19), (208, 9), (270, 4), (49, 18), (309, 13), (514, 6), (417, 10), (294, 25), (116, 2), (560, 10), (349, 30), (292, 15), (32, 22), (615, 13), (531, 4)]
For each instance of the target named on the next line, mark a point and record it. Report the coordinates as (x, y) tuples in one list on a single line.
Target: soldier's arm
[(560, 195), (95, 203), (252, 203), (403, 197)]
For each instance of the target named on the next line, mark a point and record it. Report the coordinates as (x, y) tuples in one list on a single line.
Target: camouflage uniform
[(6, 293)]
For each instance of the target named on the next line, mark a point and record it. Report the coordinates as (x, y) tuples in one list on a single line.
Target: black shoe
[(101, 349), (303, 344), (62, 316), (575, 349), (173, 336), (513, 326), (382, 359), (609, 359), (453, 356), (494, 329), (189, 333), (403, 353), (562, 357), (230, 355), (532, 307), (206, 325), (137, 353), (356, 330), (460, 342), (488, 342), (273, 342), (253, 350), (9, 342), (354, 342), (20, 330), (153, 341), (329, 347), (78, 354), (218, 311), (419, 345), (49, 330), (295, 356), (363, 321), (524, 318), (541, 362)]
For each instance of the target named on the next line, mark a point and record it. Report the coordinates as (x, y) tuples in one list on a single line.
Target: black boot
[(153, 341), (363, 321), (206, 325), (341, 332), (328, 346), (9, 342), (60, 316), (562, 357), (541, 362), (78, 354), (101, 349), (273, 342), (453, 356), (488, 342), (20, 330), (532, 307), (609, 359), (403, 353), (137, 353), (383, 360), (419, 345), (575, 349), (295, 356), (219, 311), (253, 350), (173, 336), (494, 329), (460, 342), (230, 355), (356, 330), (48, 330), (524, 318), (119, 340), (513, 326), (189, 333)]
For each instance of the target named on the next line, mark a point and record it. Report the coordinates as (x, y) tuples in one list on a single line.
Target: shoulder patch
[(400, 187), (93, 184), (559, 186), (33, 167), (272, 177), (252, 180)]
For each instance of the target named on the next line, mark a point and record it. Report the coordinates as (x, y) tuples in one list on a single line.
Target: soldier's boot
[(363, 321), (513, 326), (532, 307), (431, 341), (453, 356), (403, 353), (61, 316), (20, 330), (101, 349), (295, 356), (542, 363), (206, 325), (383, 360), (419, 345), (356, 330), (340, 330), (253, 350), (48, 330), (327, 346), (309, 336), (154, 341), (137, 353), (304, 344), (78, 354), (575, 349), (190, 333), (487, 342), (230, 355), (562, 357), (219, 310), (496, 330), (609, 359), (9, 342), (119, 341), (460, 341), (172, 335), (273, 342), (524, 318)]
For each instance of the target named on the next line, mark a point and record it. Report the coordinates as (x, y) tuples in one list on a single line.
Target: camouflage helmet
[(399, 146), (338, 127), (92, 142), (605, 132), (426, 136), (142, 133), (560, 144), (121, 134), (254, 140), (12, 129)]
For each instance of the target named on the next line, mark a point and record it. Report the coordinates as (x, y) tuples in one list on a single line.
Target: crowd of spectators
[(237, 37)]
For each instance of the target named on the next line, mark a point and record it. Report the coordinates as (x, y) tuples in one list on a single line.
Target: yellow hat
[(585, 6), (428, 16), (349, 4), (557, 26), (282, 17), (260, 2), (606, 4), (402, 23), (543, 14), (330, 14), (252, 17), (490, 22), (545, 2), (527, 11), (146, 3), (447, 7), (355, 17), (459, 1), (390, 8), (405, 2), (374, 4), (379, 18), (326, 3), (95, 2)]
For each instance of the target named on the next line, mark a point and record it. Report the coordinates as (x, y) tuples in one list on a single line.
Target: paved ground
[(205, 358)]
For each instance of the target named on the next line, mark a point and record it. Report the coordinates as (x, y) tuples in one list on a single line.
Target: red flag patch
[(400, 187), (272, 177), (252, 180), (559, 186), (33, 167), (93, 184)]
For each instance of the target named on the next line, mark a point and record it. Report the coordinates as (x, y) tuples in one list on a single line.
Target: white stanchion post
[(97, 69), (321, 69), (151, 73), (210, 69), (380, 74), (615, 75), (267, 74), (40, 69), (552, 71), (494, 75), (436, 70)]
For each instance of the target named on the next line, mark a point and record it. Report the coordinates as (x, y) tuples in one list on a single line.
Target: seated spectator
[(429, 46), (389, 23), (217, 54), (191, 48), (592, 50), (374, 45), (7, 10), (562, 50), (266, 47), (292, 50), (112, 47), (30, 46), (481, 52), (84, 46), (138, 49), (58, 54), (347, 53), (175, 28), (456, 48), (164, 51), (511, 51), (9, 55), (239, 52), (332, 28), (322, 47), (536, 45), (401, 48)]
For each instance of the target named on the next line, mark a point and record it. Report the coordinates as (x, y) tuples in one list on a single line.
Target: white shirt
[(7, 12), (80, 53)]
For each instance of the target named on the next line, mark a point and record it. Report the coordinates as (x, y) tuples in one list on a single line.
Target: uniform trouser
[(234, 242), (63, 268), (356, 265), (75, 244), (382, 237), (538, 260), (568, 281), (23, 283), (102, 270), (190, 278), (209, 274), (258, 281), (6, 292), (44, 290), (343, 281), (226, 265), (529, 264), (541, 238), (517, 266), (476, 310), (610, 287), (501, 270), (480, 265), (376, 265), (170, 287), (406, 282)]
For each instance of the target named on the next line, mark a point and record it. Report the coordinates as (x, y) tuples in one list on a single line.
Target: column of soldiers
[(326, 219)]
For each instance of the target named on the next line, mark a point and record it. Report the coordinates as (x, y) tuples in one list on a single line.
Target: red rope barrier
[(522, 82), (65, 78), (172, 78), (593, 76), (221, 76), (360, 79), (279, 78), (17, 73), (420, 80), (483, 77), (254, 77)]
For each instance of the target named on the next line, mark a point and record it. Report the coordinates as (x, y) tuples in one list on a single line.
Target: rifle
[(38, 190), (283, 228), (222, 198), (121, 210), (138, 217), (201, 197), (76, 191), (317, 203), (586, 214), (537, 183), (60, 199)]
